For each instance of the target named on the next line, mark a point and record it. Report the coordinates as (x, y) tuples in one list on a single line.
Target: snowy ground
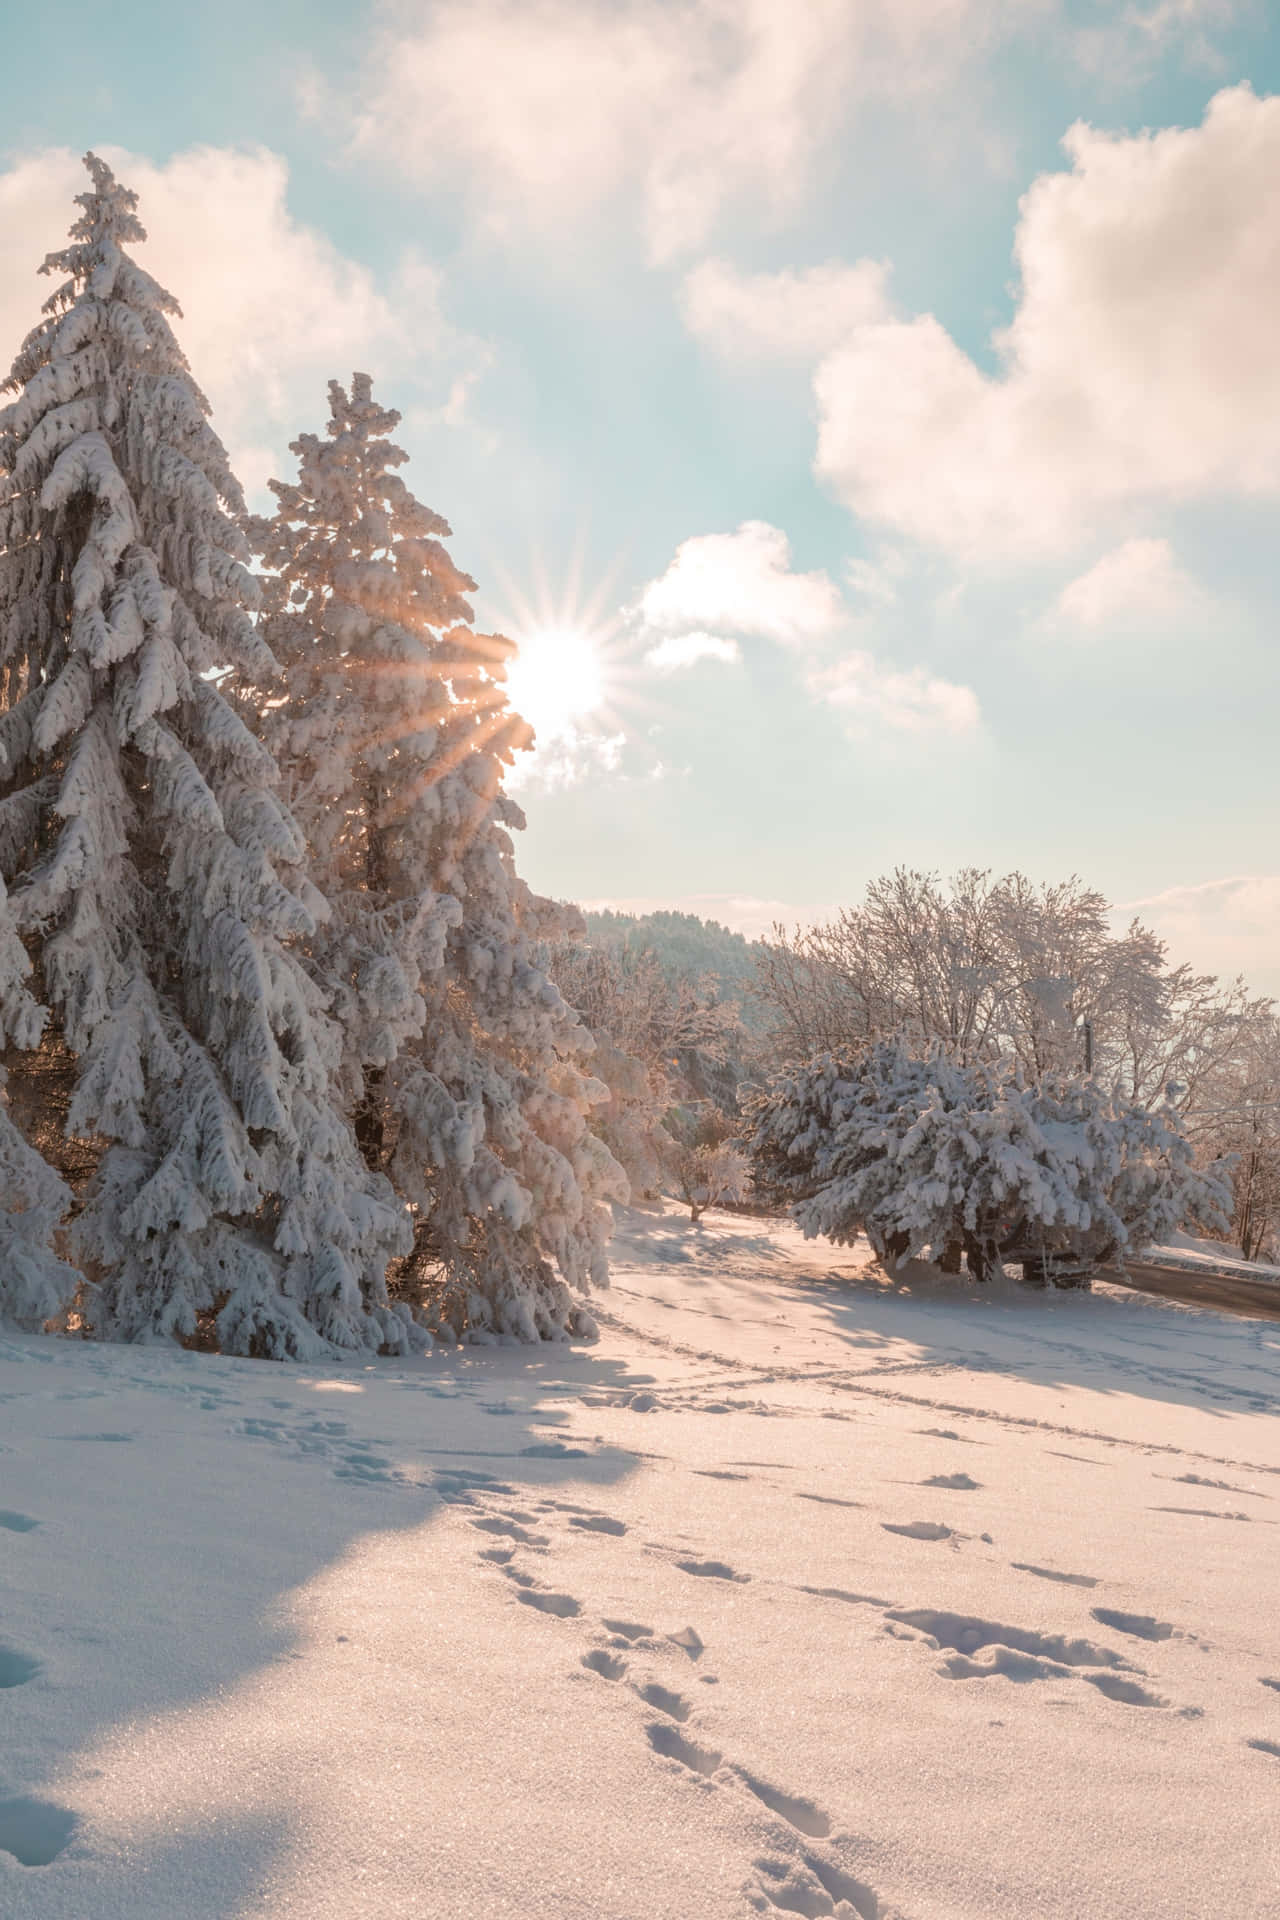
[(799, 1593)]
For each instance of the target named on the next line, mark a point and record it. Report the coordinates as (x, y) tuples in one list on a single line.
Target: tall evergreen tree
[(153, 874), (463, 1061)]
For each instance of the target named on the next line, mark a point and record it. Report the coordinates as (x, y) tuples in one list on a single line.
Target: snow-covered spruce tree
[(463, 1062), (931, 1158), (148, 862)]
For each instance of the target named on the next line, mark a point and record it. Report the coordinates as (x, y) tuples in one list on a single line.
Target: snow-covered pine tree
[(151, 870), (463, 1061)]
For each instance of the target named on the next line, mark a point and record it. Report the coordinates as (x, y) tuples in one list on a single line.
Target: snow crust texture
[(804, 1591)]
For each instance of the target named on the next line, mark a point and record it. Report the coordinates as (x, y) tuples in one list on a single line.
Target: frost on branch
[(931, 1159), (153, 874), (467, 1071)]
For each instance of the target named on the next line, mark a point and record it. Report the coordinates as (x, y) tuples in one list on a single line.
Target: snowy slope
[(801, 1592)]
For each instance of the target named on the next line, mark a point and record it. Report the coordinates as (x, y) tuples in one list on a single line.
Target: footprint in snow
[(814, 1887), (627, 1629), (16, 1668), (1127, 1692), (596, 1523), (1273, 1684), (34, 1831), (1051, 1573), (919, 1529), (829, 1500), (1265, 1746), (16, 1522), (563, 1605), (511, 1529), (959, 1482), (711, 1570), (607, 1665), (1141, 1625)]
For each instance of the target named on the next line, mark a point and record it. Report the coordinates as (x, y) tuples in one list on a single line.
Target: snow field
[(799, 1593)]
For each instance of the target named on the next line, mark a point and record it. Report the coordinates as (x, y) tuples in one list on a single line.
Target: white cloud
[(1225, 926), (543, 110), (680, 650), (271, 308), (725, 584), (872, 698), (1139, 582), (784, 316), (1142, 364), (742, 583), (1123, 49)]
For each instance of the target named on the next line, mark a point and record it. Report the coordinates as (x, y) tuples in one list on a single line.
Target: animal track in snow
[(841, 1593), (563, 1605), (959, 1482), (689, 1640), (814, 1888), (1141, 1625), (1127, 1692), (628, 1629), (499, 1555), (919, 1529), (1201, 1513), (946, 1433), (667, 1741), (16, 1668), (711, 1570), (511, 1529), (607, 1665), (1273, 1684), (1051, 1573), (35, 1832), (965, 1633), (16, 1522), (665, 1700), (798, 1811), (1219, 1486), (1005, 1661), (597, 1523), (829, 1500), (719, 1473), (1265, 1746)]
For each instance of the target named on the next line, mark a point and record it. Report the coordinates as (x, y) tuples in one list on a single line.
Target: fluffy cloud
[(1139, 581), (271, 309), (872, 698), (542, 110), (1142, 364), (742, 583), (783, 316), (680, 650), (1226, 926), (724, 585)]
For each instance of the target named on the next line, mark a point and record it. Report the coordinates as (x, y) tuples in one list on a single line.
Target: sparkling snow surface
[(800, 1593)]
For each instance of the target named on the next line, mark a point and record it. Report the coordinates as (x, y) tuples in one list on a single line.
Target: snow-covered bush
[(933, 1159), (152, 871), (469, 1074), (704, 1161)]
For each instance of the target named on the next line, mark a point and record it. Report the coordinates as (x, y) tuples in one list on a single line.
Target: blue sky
[(904, 481)]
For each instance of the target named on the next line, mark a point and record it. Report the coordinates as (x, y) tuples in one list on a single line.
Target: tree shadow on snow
[(164, 1511)]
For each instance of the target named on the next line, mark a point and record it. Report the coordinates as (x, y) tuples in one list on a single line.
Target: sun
[(556, 680)]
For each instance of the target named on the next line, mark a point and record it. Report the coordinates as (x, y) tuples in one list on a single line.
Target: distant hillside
[(684, 945)]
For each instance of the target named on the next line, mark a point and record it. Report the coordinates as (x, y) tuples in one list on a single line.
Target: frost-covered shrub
[(705, 1163), (932, 1159)]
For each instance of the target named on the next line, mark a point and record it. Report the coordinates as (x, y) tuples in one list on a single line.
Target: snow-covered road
[(799, 1593)]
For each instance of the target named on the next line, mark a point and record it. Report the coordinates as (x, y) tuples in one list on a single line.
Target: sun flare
[(556, 679)]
